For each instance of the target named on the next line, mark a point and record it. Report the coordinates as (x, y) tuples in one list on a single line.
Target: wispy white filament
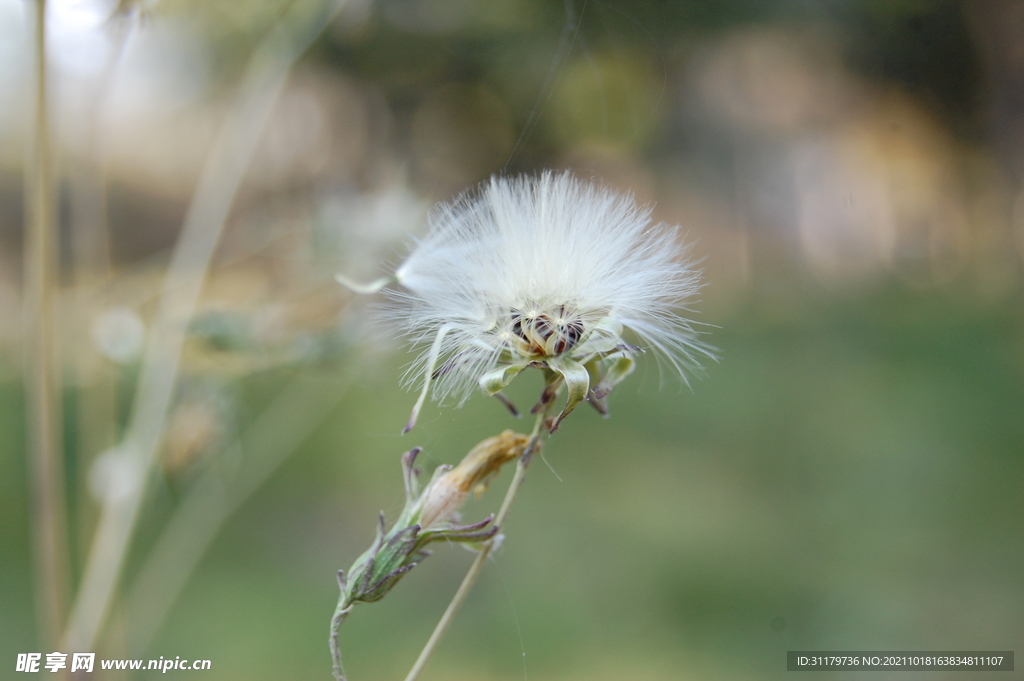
[(500, 266)]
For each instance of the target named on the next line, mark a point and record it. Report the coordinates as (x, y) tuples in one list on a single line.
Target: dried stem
[(262, 82), (42, 376), (90, 243), (474, 570), (96, 409)]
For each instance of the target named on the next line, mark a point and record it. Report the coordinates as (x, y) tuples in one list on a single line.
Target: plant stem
[(474, 570), (96, 422), (42, 376), (340, 614)]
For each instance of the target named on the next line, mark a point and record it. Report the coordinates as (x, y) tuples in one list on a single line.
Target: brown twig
[(42, 376)]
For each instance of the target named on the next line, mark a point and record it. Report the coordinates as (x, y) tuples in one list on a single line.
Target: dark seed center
[(546, 333)]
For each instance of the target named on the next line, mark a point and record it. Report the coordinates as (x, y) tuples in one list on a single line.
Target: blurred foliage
[(849, 475)]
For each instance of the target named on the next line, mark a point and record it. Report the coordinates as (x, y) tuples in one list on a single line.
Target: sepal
[(577, 383)]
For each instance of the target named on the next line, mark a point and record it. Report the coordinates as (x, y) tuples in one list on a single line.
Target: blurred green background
[(849, 476)]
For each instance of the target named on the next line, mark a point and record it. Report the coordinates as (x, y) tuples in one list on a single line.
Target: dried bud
[(428, 517), (445, 494)]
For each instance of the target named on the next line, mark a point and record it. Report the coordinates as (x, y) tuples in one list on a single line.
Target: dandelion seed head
[(528, 270)]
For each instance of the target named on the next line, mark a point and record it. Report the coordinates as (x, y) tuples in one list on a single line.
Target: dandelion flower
[(549, 272)]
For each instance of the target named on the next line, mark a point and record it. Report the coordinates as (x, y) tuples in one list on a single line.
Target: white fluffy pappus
[(547, 272)]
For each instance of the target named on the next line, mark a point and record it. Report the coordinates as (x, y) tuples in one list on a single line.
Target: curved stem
[(340, 614), (474, 570)]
